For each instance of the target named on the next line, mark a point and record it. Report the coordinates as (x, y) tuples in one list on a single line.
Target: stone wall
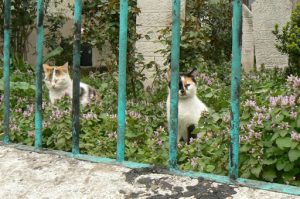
[(267, 13), (247, 40), (67, 30), (155, 15)]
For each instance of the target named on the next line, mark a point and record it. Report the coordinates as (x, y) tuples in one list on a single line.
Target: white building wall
[(155, 15)]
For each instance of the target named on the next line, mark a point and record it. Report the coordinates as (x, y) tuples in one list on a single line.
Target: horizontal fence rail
[(233, 177)]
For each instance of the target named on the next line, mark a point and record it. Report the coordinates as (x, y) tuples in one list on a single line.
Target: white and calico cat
[(60, 84), (190, 107)]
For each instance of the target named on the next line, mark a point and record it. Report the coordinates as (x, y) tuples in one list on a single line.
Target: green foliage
[(288, 40), (206, 34), (269, 137), (22, 16), (270, 124)]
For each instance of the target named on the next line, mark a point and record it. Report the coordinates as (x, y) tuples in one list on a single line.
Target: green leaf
[(245, 174), (283, 132), (275, 136), (208, 95), (269, 175), (57, 51), (279, 118), (294, 155), (288, 166), (298, 121), (245, 148), (284, 142), (280, 165), (256, 170), (269, 162), (210, 168)]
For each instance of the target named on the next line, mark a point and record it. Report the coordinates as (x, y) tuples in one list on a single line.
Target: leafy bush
[(289, 40), (270, 132)]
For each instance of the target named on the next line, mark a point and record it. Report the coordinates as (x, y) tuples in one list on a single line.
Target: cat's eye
[(57, 72), (187, 85)]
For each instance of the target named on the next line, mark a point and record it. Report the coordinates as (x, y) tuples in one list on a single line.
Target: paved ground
[(26, 174)]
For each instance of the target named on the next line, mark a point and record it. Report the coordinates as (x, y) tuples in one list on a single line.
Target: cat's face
[(187, 84), (56, 77)]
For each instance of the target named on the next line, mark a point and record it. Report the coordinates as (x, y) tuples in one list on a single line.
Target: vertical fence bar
[(122, 79), (76, 78), (38, 74), (235, 89), (173, 125), (6, 62)]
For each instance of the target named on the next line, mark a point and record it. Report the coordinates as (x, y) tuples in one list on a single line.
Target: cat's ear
[(193, 72), (65, 67), (46, 67)]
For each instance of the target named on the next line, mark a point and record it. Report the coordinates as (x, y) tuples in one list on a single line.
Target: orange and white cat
[(59, 84)]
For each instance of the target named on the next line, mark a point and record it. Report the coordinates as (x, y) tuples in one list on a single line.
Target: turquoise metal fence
[(173, 125)]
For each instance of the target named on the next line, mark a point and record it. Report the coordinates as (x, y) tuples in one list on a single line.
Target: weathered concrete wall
[(155, 15), (267, 13), (25, 174), (247, 40), (67, 30)]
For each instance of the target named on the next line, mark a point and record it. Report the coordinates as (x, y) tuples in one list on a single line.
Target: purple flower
[(161, 129), (30, 133), (112, 135), (293, 114), (89, 116), (273, 100), (293, 81), (226, 118), (160, 142), (194, 162), (250, 103), (258, 135), (19, 110), (207, 80), (295, 136), (15, 128), (26, 114), (292, 100), (191, 140), (284, 100)]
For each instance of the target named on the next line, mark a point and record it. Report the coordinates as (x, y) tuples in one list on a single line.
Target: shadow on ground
[(157, 187)]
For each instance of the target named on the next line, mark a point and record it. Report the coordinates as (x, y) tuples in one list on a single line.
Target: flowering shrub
[(269, 136)]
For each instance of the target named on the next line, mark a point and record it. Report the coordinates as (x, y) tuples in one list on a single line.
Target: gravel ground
[(26, 174)]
